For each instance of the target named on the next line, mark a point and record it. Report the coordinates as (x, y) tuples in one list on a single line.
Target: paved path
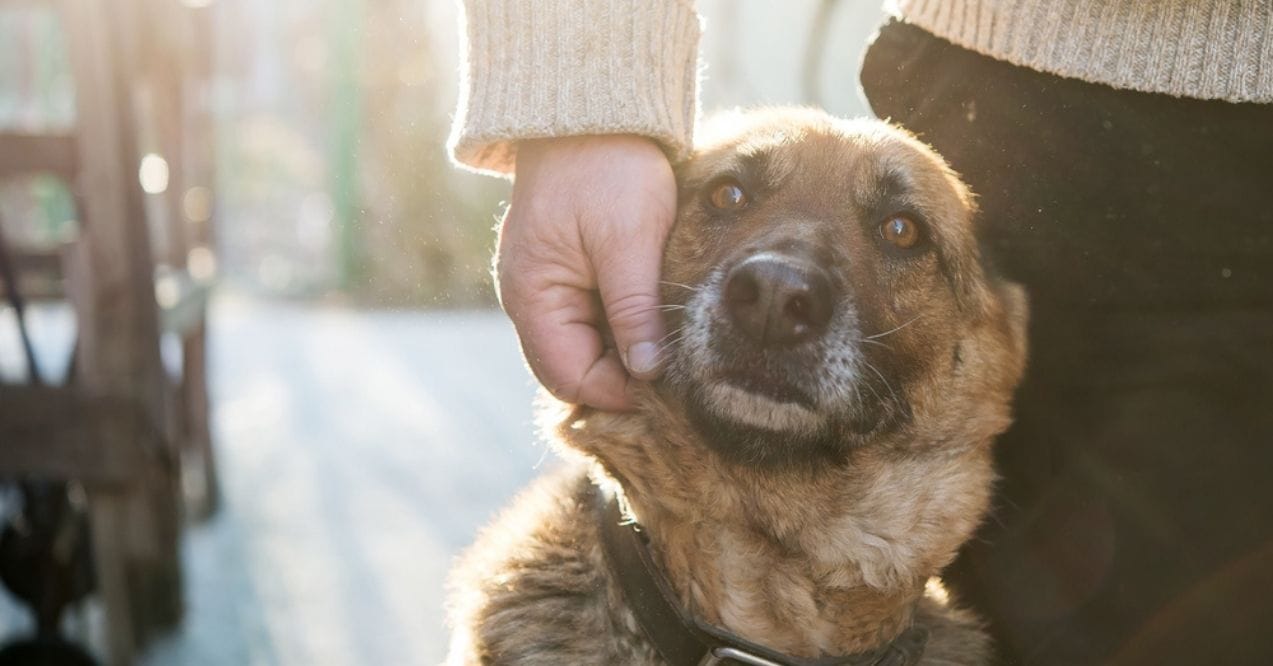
[(359, 452)]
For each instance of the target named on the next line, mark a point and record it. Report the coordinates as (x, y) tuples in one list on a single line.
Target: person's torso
[(1205, 49)]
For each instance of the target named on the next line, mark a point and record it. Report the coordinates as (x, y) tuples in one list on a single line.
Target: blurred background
[(235, 222)]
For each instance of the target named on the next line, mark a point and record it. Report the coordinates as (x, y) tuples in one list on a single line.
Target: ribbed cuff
[(551, 68), (1214, 49)]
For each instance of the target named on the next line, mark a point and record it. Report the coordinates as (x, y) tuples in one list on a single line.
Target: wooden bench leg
[(107, 516), (154, 557), (198, 435)]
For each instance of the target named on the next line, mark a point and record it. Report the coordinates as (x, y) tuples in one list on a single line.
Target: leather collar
[(683, 640)]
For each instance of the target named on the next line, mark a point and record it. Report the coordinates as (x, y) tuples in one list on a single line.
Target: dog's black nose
[(776, 301)]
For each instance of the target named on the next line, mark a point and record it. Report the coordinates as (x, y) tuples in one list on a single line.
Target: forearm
[(553, 68)]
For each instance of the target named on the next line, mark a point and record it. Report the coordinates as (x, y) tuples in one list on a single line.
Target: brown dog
[(819, 446)]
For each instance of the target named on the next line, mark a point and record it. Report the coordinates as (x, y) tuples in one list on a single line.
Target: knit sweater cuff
[(552, 68)]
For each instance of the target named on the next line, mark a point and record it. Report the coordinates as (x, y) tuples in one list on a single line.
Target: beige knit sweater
[(543, 68)]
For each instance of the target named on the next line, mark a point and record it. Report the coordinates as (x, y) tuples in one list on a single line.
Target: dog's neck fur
[(824, 562)]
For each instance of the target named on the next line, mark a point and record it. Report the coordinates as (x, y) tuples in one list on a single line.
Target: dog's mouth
[(782, 392), (810, 407), (771, 387)]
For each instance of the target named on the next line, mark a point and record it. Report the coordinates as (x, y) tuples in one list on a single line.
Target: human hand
[(579, 251)]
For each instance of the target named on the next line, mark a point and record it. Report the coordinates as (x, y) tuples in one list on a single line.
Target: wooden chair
[(122, 427)]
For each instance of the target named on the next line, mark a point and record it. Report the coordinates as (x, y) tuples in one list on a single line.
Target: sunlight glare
[(153, 174)]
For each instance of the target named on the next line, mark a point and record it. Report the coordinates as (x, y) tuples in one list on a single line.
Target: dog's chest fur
[(554, 600)]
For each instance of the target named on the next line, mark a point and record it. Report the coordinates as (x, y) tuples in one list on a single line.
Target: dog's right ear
[(1016, 316)]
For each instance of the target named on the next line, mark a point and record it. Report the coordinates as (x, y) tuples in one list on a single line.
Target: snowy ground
[(359, 452)]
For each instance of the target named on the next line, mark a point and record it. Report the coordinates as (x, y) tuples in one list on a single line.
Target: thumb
[(628, 279)]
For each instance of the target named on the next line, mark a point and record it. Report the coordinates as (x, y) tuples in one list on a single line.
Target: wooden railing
[(121, 427)]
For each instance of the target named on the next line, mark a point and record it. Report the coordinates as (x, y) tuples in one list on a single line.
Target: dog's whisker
[(678, 284), (663, 350), (857, 393), (678, 332), (665, 307), (895, 329), (874, 342), (675, 331), (666, 344), (879, 374), (871, 388), (668, 341)]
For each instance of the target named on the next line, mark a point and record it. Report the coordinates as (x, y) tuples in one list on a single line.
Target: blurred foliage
[(37, 211), (332, 175), (36, 92), (426, 227), (313, 94)]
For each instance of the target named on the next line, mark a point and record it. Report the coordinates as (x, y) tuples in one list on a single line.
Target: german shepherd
[(819, 446)]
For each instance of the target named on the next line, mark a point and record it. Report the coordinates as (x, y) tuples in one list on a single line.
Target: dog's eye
[(901, 231), (728, 195)]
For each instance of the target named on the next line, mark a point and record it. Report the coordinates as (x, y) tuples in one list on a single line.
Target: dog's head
[(825, 288)]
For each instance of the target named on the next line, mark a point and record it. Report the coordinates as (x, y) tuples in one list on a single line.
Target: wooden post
[(174, 76), (112, 292), (200, 172)]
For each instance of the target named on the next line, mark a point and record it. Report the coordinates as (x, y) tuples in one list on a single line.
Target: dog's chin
[(769, 429)]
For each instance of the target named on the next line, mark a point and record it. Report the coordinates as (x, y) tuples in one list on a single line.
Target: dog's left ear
[(1016, 317)]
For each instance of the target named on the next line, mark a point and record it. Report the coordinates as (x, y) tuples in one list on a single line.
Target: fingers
[(628, 278), (565, 351), (588, 215), (545, 287), (624, 243)]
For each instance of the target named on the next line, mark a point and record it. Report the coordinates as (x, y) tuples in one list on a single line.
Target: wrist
[(640, 76)]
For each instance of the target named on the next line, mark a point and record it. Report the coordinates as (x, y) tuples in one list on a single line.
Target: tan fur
[(809, 560)]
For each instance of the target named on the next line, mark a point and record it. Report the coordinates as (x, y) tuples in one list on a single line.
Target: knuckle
[(629, 311), (566, 390)]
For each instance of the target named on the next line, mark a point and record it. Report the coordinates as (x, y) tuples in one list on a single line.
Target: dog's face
[(821, 275)]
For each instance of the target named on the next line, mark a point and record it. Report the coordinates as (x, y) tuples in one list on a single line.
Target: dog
[(818, 448)]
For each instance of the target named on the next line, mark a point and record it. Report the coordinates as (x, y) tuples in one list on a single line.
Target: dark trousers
[(1134, 520)]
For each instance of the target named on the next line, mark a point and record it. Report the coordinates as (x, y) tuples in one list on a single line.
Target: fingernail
[(643, 358)]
